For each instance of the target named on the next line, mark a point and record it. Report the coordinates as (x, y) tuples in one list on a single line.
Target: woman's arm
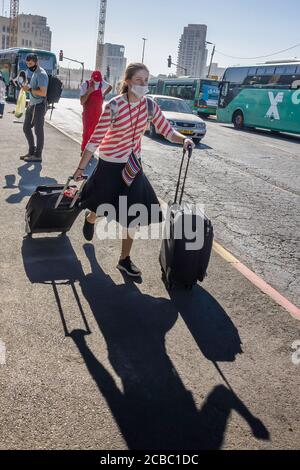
[(89, 89), (164, 128), (107, 91), (94, 142)]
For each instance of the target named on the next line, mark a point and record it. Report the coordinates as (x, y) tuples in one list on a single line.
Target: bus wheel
[(238, 120), (197, 141)]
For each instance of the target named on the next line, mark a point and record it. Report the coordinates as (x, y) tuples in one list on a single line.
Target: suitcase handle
[(85, 177), (190, 152)]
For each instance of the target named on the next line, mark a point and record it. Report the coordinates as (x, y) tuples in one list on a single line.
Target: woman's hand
[(78, 175), (188, 143)]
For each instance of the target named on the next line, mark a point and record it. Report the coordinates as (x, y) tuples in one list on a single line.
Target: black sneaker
[(28, 155), (32, 158), (88, 229), (31, 153), (129, 268)]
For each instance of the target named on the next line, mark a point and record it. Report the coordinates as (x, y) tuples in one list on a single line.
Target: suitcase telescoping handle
[(65, 188), (190, 152)]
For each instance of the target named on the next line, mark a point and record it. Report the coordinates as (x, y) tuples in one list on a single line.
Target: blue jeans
[(2, 108)]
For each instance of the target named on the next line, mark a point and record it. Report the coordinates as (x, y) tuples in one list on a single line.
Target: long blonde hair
[(131, 70)]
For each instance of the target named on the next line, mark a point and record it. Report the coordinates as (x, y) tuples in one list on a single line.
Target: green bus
[(201, 94), (12, 61), (265, 96)]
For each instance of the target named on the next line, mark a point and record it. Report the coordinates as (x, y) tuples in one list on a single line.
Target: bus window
[(236, 75), (280, 70), (290, 70), (252, 71), (186, 92)]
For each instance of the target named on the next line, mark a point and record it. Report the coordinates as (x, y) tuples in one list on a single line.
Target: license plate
[(185, 132)]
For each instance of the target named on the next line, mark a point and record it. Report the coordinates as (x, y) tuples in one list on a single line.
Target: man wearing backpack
[(35, 113)]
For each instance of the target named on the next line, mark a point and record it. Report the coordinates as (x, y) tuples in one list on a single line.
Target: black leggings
[(35, 117)]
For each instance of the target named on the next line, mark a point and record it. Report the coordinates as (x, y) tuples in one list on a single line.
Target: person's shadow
[(153, 410), (30, 178)]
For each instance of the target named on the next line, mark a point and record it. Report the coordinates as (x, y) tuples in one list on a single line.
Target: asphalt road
[(249, 183), (96, 361)]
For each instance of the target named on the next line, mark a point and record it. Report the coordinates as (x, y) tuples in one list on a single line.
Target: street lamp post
[(212, 57), (144, 45)]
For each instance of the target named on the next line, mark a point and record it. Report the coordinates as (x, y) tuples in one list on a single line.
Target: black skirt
[(106, 187)]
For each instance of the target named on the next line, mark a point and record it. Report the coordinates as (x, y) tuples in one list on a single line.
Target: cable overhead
[(261, 56)]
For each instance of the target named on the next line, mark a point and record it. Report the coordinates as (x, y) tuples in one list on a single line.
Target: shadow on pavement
[(30, 178), (154, 410), (211, 327)]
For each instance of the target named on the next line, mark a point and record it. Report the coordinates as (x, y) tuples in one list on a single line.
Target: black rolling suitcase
[(188, 240), (53, 208)]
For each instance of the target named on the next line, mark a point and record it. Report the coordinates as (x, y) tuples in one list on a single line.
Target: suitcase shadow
[(211, 327), (30, 178), (153, 409)]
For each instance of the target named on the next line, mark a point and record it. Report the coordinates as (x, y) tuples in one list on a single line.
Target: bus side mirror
[(225, 89), (295, 85)]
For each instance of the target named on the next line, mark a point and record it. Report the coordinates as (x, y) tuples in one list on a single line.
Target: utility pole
[(62, 57), (211, 59), (101, 32), (144, 45)]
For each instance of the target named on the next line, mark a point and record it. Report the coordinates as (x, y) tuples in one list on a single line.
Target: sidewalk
[(95, 361)]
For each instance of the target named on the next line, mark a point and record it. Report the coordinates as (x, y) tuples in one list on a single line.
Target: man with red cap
[(92, 94)]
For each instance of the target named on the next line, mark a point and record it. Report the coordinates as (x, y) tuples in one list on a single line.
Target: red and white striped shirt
[(115, 139)]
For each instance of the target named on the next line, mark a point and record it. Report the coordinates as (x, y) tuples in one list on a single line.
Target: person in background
[(20, 80), (2, 95), (92, 94), (35, 113)]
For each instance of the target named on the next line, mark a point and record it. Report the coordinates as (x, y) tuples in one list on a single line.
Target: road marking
[(256, 280), (63, 132)]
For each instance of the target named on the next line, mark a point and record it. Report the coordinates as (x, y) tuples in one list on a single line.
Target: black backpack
[(55, 88)]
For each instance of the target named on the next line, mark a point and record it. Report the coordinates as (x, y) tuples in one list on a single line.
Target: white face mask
[(139, 91)]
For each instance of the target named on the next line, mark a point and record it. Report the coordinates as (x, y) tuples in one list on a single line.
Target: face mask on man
[(33, 68), (139, 90)]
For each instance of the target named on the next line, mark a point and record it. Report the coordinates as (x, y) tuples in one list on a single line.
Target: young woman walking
[(119, 171)]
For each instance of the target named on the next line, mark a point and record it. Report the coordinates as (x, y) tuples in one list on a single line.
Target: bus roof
[(266, 64), (25, 49)]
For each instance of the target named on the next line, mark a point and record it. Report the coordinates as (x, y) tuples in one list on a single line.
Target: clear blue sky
[(238, 27)]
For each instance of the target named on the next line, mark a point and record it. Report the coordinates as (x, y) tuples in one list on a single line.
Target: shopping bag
[(21, 104)]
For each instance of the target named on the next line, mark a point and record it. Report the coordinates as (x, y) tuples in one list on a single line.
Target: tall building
[(112, 56), (192, 52), (33, 32)]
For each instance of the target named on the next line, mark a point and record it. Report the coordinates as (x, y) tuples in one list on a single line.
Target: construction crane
[(101, 31), (13, 23)]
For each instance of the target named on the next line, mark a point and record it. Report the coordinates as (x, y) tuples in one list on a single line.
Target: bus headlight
[(173, 123)]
